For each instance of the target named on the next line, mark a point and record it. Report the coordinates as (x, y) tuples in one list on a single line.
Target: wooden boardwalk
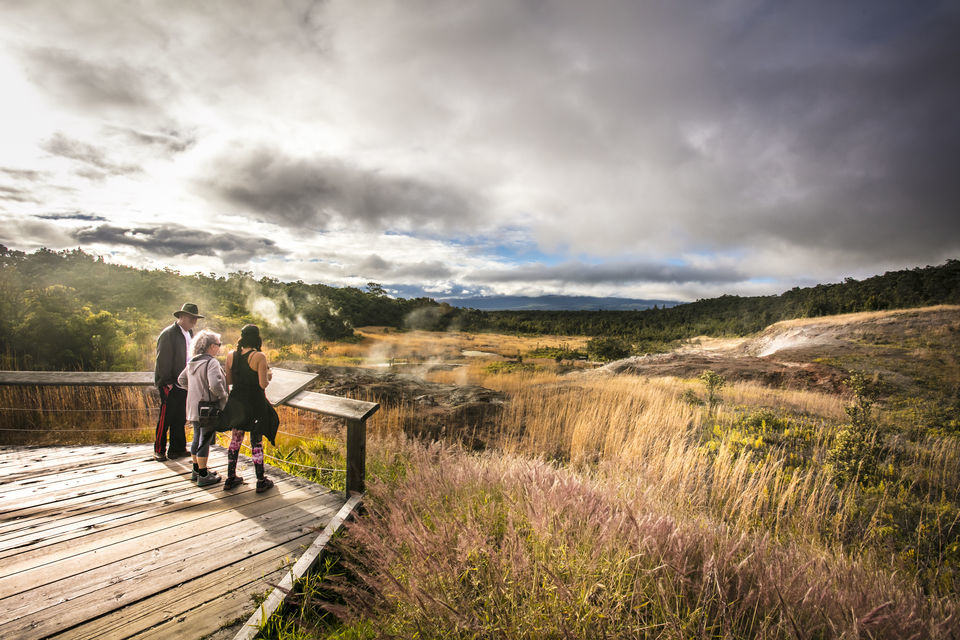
[(103, 542)]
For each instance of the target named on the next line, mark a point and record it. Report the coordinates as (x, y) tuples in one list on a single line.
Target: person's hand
[(269, 373)]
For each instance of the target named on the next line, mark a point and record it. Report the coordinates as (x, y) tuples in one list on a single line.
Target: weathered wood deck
[(104, 542)]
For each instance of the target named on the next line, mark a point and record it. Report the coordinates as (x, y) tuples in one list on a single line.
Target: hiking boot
[(232, 481), (264, 485), (195, 475), (207, 480)]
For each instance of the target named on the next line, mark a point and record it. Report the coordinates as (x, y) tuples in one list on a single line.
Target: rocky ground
[(914, 350), (464, 409), (907, 347), (766, 371)]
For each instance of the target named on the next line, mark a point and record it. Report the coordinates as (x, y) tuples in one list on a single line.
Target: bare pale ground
[(823, 331)]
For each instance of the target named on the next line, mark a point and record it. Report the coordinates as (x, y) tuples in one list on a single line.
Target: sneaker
[(159, 457), (194, 476), (233, 481), (264, 485), (176, 455), (207, 480)]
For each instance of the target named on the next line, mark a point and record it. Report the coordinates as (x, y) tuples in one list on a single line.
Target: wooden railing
[(286, 387)]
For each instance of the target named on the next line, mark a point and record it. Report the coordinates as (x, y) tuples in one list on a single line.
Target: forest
[(72, 310), (735, 315)]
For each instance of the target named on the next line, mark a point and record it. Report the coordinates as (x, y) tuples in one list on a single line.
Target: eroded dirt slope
[(818, 353)]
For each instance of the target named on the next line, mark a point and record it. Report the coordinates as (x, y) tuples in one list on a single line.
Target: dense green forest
[(72, 310), (735, 315)]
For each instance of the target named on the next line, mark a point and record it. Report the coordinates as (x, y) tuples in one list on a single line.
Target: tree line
[(72, 310), (731, 315)]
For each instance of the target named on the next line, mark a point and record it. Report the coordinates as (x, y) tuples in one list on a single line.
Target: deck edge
[(306, 563)]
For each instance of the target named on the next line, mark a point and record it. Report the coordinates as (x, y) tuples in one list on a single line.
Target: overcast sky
[(652, 149)]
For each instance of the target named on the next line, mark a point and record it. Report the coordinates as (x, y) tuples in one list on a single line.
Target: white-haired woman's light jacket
[(192, 379)]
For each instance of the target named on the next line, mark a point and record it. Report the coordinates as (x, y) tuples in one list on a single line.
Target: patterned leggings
[(233, 453)]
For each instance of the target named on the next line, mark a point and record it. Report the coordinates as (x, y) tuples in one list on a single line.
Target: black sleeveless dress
[(248, 408)]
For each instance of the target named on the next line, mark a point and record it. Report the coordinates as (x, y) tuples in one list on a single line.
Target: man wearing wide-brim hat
[(173, 345)]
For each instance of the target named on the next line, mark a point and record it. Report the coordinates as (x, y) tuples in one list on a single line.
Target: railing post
[(356, 456)]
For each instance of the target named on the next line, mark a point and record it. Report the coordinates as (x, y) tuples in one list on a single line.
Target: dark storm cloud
[(32, 233), (376, 267), (98, 165), (610, 273), (870, 120), (821, 126), (95, 84), (85, 217), (175, 240), (309, 192)]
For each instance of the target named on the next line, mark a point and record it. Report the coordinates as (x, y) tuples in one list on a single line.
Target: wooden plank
[(40, 566), (333, 405), (36, 592), (81, 501), (161, 499), (187, 603), (206, 619), (40, 611), (76, 544), (11, 506), (77, 378), (27, 454), (177, 520), (157, 480), (64, 456), (286, 493), (287, 383), (305, 564), (62, 471), (28, 530), (144, 489)]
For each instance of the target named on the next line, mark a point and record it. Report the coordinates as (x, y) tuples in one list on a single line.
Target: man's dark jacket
[(171, 356)]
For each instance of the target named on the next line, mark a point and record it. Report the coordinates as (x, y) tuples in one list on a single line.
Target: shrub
[(509, 366), (713, 382), (607, 349), (690, 397), (858, 447)]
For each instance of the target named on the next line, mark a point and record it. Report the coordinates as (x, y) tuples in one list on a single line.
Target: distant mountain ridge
[(556, 303)]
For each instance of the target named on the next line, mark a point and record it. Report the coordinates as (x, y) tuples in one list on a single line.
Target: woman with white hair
[(204, 380)]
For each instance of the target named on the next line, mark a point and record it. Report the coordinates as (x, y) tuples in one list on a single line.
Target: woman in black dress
[(248, 409)]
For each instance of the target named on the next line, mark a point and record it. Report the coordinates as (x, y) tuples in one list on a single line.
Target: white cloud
[(809, 142)]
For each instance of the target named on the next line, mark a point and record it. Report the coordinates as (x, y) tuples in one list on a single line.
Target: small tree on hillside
[(713, 382), (857, 448)]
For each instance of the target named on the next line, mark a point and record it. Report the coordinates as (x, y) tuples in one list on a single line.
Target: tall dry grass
[(647, 426), (77, 415), (384, 345), (498, 545)]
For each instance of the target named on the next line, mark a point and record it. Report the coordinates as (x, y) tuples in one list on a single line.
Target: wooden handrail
[(78, 378), (286, 387)]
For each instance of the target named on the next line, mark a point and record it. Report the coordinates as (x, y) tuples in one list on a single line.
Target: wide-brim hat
[(190, 309)]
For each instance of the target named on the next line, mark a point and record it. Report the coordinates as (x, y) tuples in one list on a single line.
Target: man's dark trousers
[(173, 416)]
